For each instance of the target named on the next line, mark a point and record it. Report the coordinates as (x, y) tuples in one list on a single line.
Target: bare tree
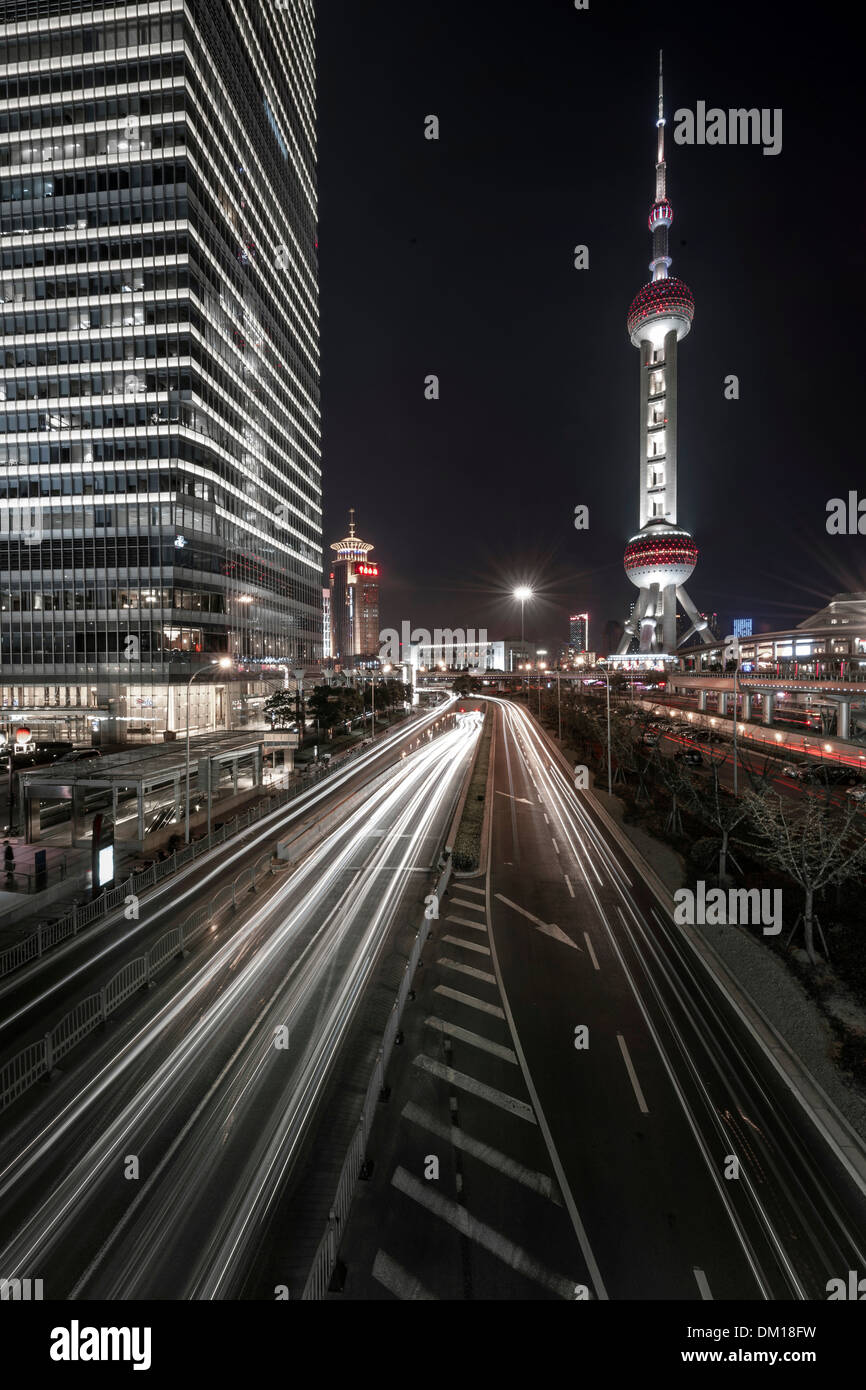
[(816, 845)]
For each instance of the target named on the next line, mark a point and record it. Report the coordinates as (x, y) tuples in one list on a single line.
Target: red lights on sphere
[(661, 214), (660, 297), (664, 553)]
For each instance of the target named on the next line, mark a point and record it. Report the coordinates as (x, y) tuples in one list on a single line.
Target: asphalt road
[(676, 1164), (153, 1166)]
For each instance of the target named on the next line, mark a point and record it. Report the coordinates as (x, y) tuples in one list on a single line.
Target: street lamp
[(609, 778), (223, 661), (522, 593)]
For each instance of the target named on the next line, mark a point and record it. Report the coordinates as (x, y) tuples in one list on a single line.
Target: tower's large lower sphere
[(660, 554)]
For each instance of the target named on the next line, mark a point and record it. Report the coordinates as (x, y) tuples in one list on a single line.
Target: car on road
[(80, 755), (692, 756), (651, 737)]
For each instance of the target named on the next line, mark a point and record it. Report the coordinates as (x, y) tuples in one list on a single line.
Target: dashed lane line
[(642, 1105)]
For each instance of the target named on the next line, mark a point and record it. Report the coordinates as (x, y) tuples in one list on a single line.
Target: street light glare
[(523, 594)]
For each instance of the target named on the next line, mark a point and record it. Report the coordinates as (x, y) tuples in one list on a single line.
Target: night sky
[(456, 258)]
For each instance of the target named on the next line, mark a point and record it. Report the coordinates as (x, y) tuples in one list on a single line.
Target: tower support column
[(669, 618), (768, 706)]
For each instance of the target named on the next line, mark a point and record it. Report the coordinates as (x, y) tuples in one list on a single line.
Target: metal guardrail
[(38, 1059), (325, 1259), (49, 933)]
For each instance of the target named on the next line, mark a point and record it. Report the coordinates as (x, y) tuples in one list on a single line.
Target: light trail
[(318, 980)]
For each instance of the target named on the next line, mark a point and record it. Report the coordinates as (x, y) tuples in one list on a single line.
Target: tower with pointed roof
[(354, 599), (662, 555)]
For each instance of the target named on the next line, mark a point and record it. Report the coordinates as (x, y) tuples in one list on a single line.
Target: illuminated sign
[(367, 569)]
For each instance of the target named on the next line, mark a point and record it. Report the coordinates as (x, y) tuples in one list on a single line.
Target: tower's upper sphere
[(660, 554), (661, 214), (657, 308)]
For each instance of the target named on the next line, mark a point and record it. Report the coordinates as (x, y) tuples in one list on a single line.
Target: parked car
[(651, 737), (692, 756), (80, 755), (858, 792)]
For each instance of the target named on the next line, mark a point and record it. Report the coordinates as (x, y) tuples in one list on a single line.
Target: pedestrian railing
[(38, 1059), (47, 934), (325, 1259)]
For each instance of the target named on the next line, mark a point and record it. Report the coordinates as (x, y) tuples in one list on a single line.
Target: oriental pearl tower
[(662, 556)]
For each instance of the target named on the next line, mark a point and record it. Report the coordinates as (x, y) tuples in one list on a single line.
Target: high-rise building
[(354, 599), (160, 487), (578, 631), (742, 627), (662, 555)]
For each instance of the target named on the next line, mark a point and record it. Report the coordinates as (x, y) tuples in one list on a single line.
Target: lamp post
[(558, 706), (223, 661), (732, 652), (522, 593), (606, 675)]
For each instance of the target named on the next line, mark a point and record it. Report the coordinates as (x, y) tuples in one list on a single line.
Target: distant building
[(578, 632), (742, 627), (505, 655), (327, 652), (354, 599)]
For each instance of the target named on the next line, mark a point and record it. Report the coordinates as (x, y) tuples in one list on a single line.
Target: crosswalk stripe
[(467, 970), (509, 1167), (460, 902), (453, 1030), (465, 922), (485, 1236), (467, 945), (468, 888), (476, 1088), (470, 1000), (399, 1281)]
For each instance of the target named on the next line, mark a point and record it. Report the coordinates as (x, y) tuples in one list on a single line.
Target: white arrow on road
[(524, 799), (547, 927)]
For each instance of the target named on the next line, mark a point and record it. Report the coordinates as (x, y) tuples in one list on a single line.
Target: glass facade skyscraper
[(160, 485)]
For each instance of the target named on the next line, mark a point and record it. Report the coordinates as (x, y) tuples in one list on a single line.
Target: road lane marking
[(509, 1167), (703, 1285), (474, 907), (555, 845), (549, 928), (464, 1082), (485, 1236), (399, 1281), (453, 1030), (465, 922), (546, 821), (591, 951), (568, 884), (467, 945), (467, 970), (470, 888), (644, 1108), (449, 993)]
